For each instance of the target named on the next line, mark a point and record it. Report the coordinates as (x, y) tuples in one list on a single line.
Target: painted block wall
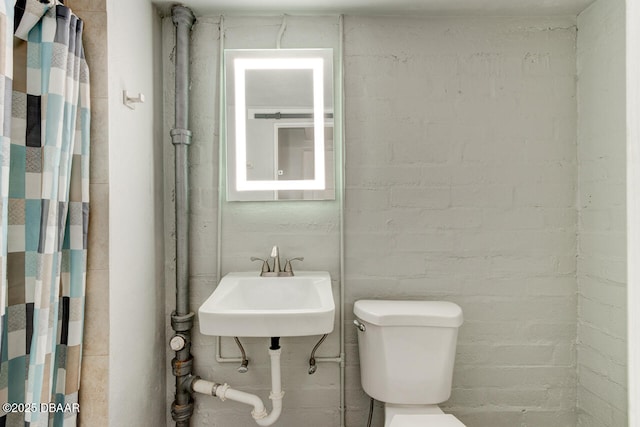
[(308, 229), (602, 298), (460, 185)]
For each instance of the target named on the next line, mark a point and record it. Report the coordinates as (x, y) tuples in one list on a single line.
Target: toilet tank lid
[(409, 313)]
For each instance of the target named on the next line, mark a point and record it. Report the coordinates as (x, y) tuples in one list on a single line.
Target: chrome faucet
[(275, 254), (276, 271)]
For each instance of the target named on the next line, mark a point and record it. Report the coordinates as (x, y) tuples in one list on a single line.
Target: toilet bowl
[(445, 420), (418, 415), (407, 352)]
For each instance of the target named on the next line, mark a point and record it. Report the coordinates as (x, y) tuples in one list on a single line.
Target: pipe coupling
[(182, 368), (182, 323), (180, 136), (198, 385), (276, 396), (182, 15), (221, 391), (258, 415), (181, 413)]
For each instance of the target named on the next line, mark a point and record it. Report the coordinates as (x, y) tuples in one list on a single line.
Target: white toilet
[(407, 351)]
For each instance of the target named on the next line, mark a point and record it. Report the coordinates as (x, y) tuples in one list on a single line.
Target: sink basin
[(247, 305)]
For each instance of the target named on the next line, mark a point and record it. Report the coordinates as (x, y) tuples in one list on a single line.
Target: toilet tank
[(407, 349)]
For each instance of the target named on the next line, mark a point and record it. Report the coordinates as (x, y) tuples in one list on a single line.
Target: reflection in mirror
[(296, 160), (279, 106)]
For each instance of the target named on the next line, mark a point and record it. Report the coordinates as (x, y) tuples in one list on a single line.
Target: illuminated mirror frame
[(316, 65)]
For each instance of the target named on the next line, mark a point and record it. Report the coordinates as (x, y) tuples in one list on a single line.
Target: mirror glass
[(279, 124)]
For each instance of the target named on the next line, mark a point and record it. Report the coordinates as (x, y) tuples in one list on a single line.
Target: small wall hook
[(129, 100)]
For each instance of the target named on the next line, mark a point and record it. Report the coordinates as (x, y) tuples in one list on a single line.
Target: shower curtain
[(44, 184)]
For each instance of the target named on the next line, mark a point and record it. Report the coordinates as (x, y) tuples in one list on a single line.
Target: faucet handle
[(287, 265), (265, 264)]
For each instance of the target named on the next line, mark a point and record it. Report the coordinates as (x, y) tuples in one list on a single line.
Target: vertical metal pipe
[(183, 19), (343, 165), (182, 317)]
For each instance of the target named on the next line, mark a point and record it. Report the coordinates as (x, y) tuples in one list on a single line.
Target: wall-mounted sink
[(247, 305)]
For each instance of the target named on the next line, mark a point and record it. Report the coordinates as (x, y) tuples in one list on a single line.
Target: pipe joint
[(182, 323), (180, 136), (258, 415), (182, 413), (198, 385), (275, 344), (187, 383), (221, 391), (182, 15), (275, 353), (182, 368), (276, 396)]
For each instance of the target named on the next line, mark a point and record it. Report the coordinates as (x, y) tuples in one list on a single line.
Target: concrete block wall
[(602, 299), (460, 186), (461, 181), (299, 228)]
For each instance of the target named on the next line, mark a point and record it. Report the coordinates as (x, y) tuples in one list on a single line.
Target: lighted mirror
[(279, 124)]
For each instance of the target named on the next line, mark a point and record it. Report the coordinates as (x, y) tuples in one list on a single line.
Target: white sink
[(247, 305)]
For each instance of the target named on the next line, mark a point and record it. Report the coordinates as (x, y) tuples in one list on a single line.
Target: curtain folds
[(6, 85), (44, 229)]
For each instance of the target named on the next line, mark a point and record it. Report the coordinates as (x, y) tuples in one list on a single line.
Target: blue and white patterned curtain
[(6, 84), (45, 209)]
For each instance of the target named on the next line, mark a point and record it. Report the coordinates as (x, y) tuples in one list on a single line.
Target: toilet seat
[(425, 420)]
